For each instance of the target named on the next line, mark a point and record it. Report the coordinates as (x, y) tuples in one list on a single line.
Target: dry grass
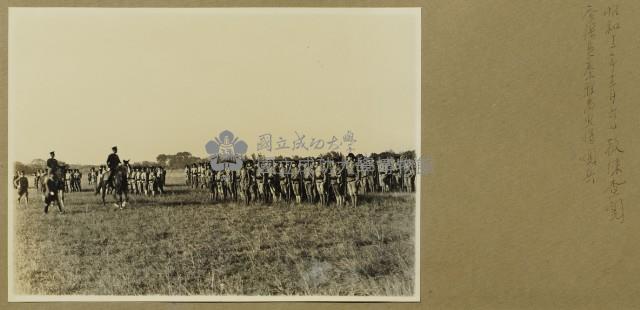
[(180, 244)]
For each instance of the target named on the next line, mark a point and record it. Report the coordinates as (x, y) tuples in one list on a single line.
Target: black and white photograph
[(214, 154)]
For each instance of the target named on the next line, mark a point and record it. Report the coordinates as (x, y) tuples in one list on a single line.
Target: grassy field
[(181, 244)]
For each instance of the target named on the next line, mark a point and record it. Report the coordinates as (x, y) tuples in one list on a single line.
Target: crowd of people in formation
[(141, 180), (70, 179), (319, 180)]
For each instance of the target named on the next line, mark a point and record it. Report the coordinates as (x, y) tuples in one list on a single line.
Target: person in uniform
[(90, 176), (283, 177), (272, 182), (409, 174), (243, 182), (203, 175), (383, 174), (307, 178), (113, 161), (194, 175), (230, 183), (145, 180), (22, 185), (72, 180), (36, 179), (139, 183), (320, 179), (152, 181), (295, 179), (371, 175), (160, 179), (362, 174), (352, 179), (52, 163), (187, 173), (261, 174), (131, 180), (397, 177), (335, 182), (78, 180), (219, 180), (51, 193), (98, 179), (253, 186), (212, 184), (67, 180)]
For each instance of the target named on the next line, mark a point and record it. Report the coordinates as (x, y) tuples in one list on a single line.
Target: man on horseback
[(112, 162), (52, 163)]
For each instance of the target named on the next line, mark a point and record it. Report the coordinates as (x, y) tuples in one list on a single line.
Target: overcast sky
[(167, 80)]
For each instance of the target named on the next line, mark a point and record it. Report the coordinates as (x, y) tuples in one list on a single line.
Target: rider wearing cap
[(112, 162)]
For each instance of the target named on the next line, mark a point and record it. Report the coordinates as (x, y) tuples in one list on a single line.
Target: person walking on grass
[(22, 185)]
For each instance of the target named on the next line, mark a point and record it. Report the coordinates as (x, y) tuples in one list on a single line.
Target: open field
[(181, 244)]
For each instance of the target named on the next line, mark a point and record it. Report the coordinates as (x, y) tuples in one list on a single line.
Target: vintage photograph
[(214, 154)]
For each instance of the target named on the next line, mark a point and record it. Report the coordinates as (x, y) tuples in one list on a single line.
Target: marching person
[(22, 184)]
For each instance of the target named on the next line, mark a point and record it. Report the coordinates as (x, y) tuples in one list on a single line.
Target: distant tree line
[(179, 160), (182, 159)]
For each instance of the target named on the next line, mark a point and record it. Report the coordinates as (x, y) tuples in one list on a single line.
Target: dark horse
[(118, 184)]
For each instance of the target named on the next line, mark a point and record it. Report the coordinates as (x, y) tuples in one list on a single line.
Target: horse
[(118, 184)]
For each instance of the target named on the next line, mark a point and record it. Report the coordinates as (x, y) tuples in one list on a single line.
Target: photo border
[(193, 302)]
